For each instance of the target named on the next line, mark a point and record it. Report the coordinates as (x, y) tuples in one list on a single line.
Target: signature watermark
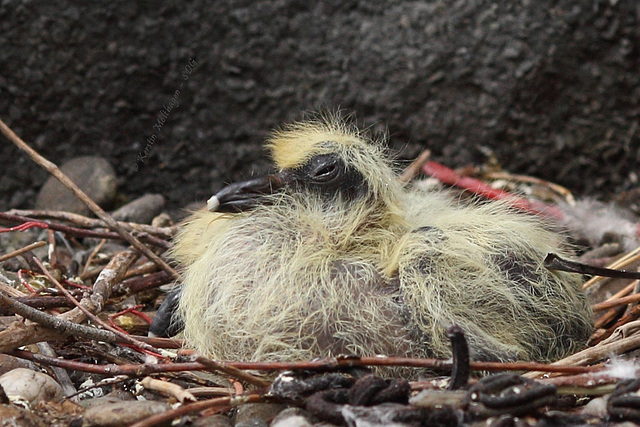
[(163, 115)]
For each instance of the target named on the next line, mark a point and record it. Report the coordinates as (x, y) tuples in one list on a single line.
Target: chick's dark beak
[(240, 196)]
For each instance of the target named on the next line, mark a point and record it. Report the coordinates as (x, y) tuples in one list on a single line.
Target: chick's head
[(326, 159)]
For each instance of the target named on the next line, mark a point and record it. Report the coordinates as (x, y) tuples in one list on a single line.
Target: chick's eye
[(325, 173)]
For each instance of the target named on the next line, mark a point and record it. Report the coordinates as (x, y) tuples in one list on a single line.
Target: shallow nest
[(77, 298)]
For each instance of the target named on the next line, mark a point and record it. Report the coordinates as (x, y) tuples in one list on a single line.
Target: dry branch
[(55, 327), (93, 206), (82, 232), (20, 251), (86, 222)]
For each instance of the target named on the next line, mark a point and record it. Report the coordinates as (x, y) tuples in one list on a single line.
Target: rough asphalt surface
[(179, 96)]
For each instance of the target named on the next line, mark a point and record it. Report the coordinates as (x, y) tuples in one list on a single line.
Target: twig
[(146, 268), (51, 253), (20, 334), (97, 307), (90, 258), (170, 343), (451, 177), (47, 327), (10, 291), (595, 354), (79, 232), (44, 302), (232, 372), (105, 382), (432, 364), (20, 251), (108, 278), (167, 388), (616, 302), (210, 391), (109, 369), (554, 262), (594, 384), (558, 189), (138, 284), (629, 258), (91, 316), (322, 365), (93, 206), (414, 168), (86, 222), (165, 417)]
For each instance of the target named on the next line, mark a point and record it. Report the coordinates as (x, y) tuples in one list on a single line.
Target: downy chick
[(333, 255)]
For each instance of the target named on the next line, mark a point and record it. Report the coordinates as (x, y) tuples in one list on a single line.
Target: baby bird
[(333, 255)]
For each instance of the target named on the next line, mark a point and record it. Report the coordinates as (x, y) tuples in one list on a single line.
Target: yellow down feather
[(297, 278)]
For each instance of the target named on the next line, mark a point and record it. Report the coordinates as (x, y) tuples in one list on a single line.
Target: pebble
[(292, 417), (94, 175), (30, 386), (14, 416), (254, 422), (122, 413), (116, 396), (257, 414), (597, 407), (216, 420)]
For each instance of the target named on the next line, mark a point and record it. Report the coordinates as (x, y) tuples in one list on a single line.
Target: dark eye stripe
[(328, 174)]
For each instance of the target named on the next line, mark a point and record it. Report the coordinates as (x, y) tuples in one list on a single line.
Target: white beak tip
[(213, 203)]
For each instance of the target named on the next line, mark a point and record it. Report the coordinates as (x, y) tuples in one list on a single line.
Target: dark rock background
[(551, 88)]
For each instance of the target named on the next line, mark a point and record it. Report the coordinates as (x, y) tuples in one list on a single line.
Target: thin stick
[(20, 334), (616, 302), (451, 177), (141, 283), (232, 372), (82, 232), (318, 365), (595, 354), (414, 168), (20, 251), (165, 417), (558, 189), (90, 258), (58, 327), (629, 258), (100, 213), (554, 262), (167, 388), (45, 302), (123, 336), (83, 221)]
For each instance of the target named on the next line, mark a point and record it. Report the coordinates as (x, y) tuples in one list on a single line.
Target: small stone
[(216, 420), (293, 417), (123, 413), (596, 407), (94, 176), (17, 417), (141, 210), (30, 386), (251, 413), (254, 422), (115, 396)]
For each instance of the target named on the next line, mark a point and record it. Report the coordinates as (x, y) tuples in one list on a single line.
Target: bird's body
[(342, 258)]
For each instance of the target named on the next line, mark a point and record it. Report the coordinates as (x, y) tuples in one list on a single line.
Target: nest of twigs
[(76, 302)]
